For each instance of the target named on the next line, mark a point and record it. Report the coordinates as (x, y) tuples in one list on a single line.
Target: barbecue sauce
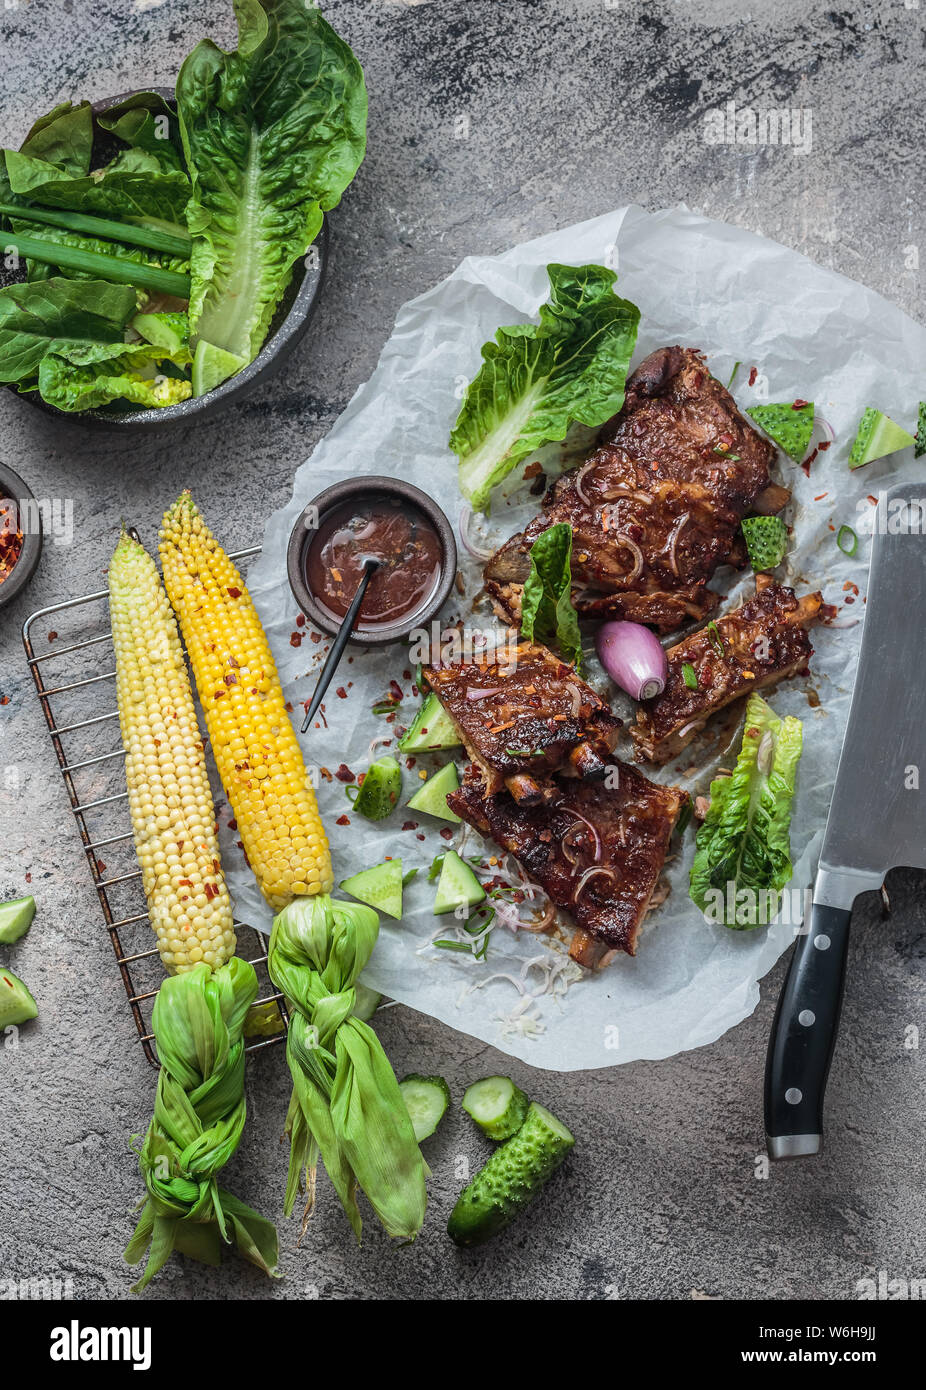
[(389, 530)]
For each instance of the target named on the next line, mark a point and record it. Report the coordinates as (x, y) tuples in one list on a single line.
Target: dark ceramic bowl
[(361, 489), (13, 487), (287, 329)]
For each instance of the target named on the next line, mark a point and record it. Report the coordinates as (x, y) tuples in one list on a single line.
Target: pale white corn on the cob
[(173, 815), (253, 742)]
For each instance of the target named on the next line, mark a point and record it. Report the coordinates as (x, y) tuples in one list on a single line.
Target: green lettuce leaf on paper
[(537, 379), (272, 133), (743, 856), (547, 612)]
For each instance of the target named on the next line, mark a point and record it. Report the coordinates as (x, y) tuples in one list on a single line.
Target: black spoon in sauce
[(370, 566)]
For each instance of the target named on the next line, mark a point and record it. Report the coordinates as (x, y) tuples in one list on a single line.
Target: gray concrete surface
[(573, 107)]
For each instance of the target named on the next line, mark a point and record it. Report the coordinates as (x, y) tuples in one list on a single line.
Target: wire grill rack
[(66, 675)]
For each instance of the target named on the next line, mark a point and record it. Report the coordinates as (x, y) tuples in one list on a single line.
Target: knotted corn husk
[(346, 1103), (199, 1114)]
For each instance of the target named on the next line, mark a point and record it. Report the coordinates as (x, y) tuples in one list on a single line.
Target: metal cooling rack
[(95, 784)]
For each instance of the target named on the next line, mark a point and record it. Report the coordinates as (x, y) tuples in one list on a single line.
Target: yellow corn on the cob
[(253, 742), (173, 816)]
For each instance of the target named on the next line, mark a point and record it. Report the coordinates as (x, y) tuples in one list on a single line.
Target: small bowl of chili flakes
[(20, 535)]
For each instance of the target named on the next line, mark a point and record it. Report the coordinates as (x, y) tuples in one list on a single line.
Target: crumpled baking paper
[(809, 333)]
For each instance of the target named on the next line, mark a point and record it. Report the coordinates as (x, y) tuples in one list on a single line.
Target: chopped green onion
[(689, 675), (385, 706), (736, 367), (407, 877), (715, 639), (851, 545), (453, 946), (684, 817), (117, 270), (524, 752), (734, 458)]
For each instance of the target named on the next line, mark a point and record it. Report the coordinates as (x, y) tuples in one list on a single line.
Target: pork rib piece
[(751, 648), (596, 849), (656, 508), (522, 714)]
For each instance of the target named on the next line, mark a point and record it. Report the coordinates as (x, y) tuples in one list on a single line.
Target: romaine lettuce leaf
[(547, 612), (133, 186), (273, 133), (146, 122), (126, 372), (743, 856), (536, 379), (64, 137), (76, 318)]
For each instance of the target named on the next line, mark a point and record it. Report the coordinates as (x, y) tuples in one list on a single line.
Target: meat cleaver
[(876, 821)]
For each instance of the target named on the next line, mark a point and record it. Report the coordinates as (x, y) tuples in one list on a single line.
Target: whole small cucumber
[(511, 1179)]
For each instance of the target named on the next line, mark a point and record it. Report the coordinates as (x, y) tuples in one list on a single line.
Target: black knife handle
[(804, 1035)]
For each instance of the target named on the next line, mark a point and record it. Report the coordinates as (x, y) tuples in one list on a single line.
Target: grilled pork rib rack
[(524, 715), (656, 508), (596, 847), (751, 648)]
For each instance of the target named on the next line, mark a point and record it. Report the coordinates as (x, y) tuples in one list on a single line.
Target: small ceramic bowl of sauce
[(396, 524)]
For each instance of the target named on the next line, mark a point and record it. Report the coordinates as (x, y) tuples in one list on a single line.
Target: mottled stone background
[(572, 107)]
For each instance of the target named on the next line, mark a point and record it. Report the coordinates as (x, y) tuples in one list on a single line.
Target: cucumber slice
[(379, 887), (168, 331), (426, 1099), (381, 788), (790, 426), (16, 919), (16, 1003), (457, 887), (213, 365), (497, 1105), (766, 541), (431, 797), (877, 436), (511, 1179), (431, 729)]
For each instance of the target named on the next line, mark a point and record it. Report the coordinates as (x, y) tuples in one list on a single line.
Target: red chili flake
[(799, 404), (820, 496), (325, 773), (100, 867), (360, 778), (300, 620), (415, 691), (809, 460), (343, 820), (341, 693), (531, 470), (295, 639), (233, 825), (420, 837), (185, 882), (4, 699), (409, 762), (288, 706), (219, 695), (28, 878), (753, 373), (849, 587), (406, 675), (872, 500), (446, 833), (52, 636), (849, 599), (395, 690), (806, 467), (233, 592), (231, 680), (825, 444), (344, 773), (410, 825)]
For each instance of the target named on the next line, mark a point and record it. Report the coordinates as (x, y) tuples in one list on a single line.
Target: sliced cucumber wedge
[(457, 886), (497, 1105), (511, 1179), (431, 797), (379, 887), (790, 425), (380, 790), (16, 1003), (431, 729), (878, 435), (16, 919), (426, 1100)]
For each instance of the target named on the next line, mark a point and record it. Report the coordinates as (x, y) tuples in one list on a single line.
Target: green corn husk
[(346, 1103), (199, 1114)]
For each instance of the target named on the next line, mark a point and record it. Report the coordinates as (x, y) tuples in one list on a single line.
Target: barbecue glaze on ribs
[(753, 647), (656, 508), (596, 848), (523, 715)]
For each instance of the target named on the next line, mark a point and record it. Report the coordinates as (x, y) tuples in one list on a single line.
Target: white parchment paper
[(809, 333)]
